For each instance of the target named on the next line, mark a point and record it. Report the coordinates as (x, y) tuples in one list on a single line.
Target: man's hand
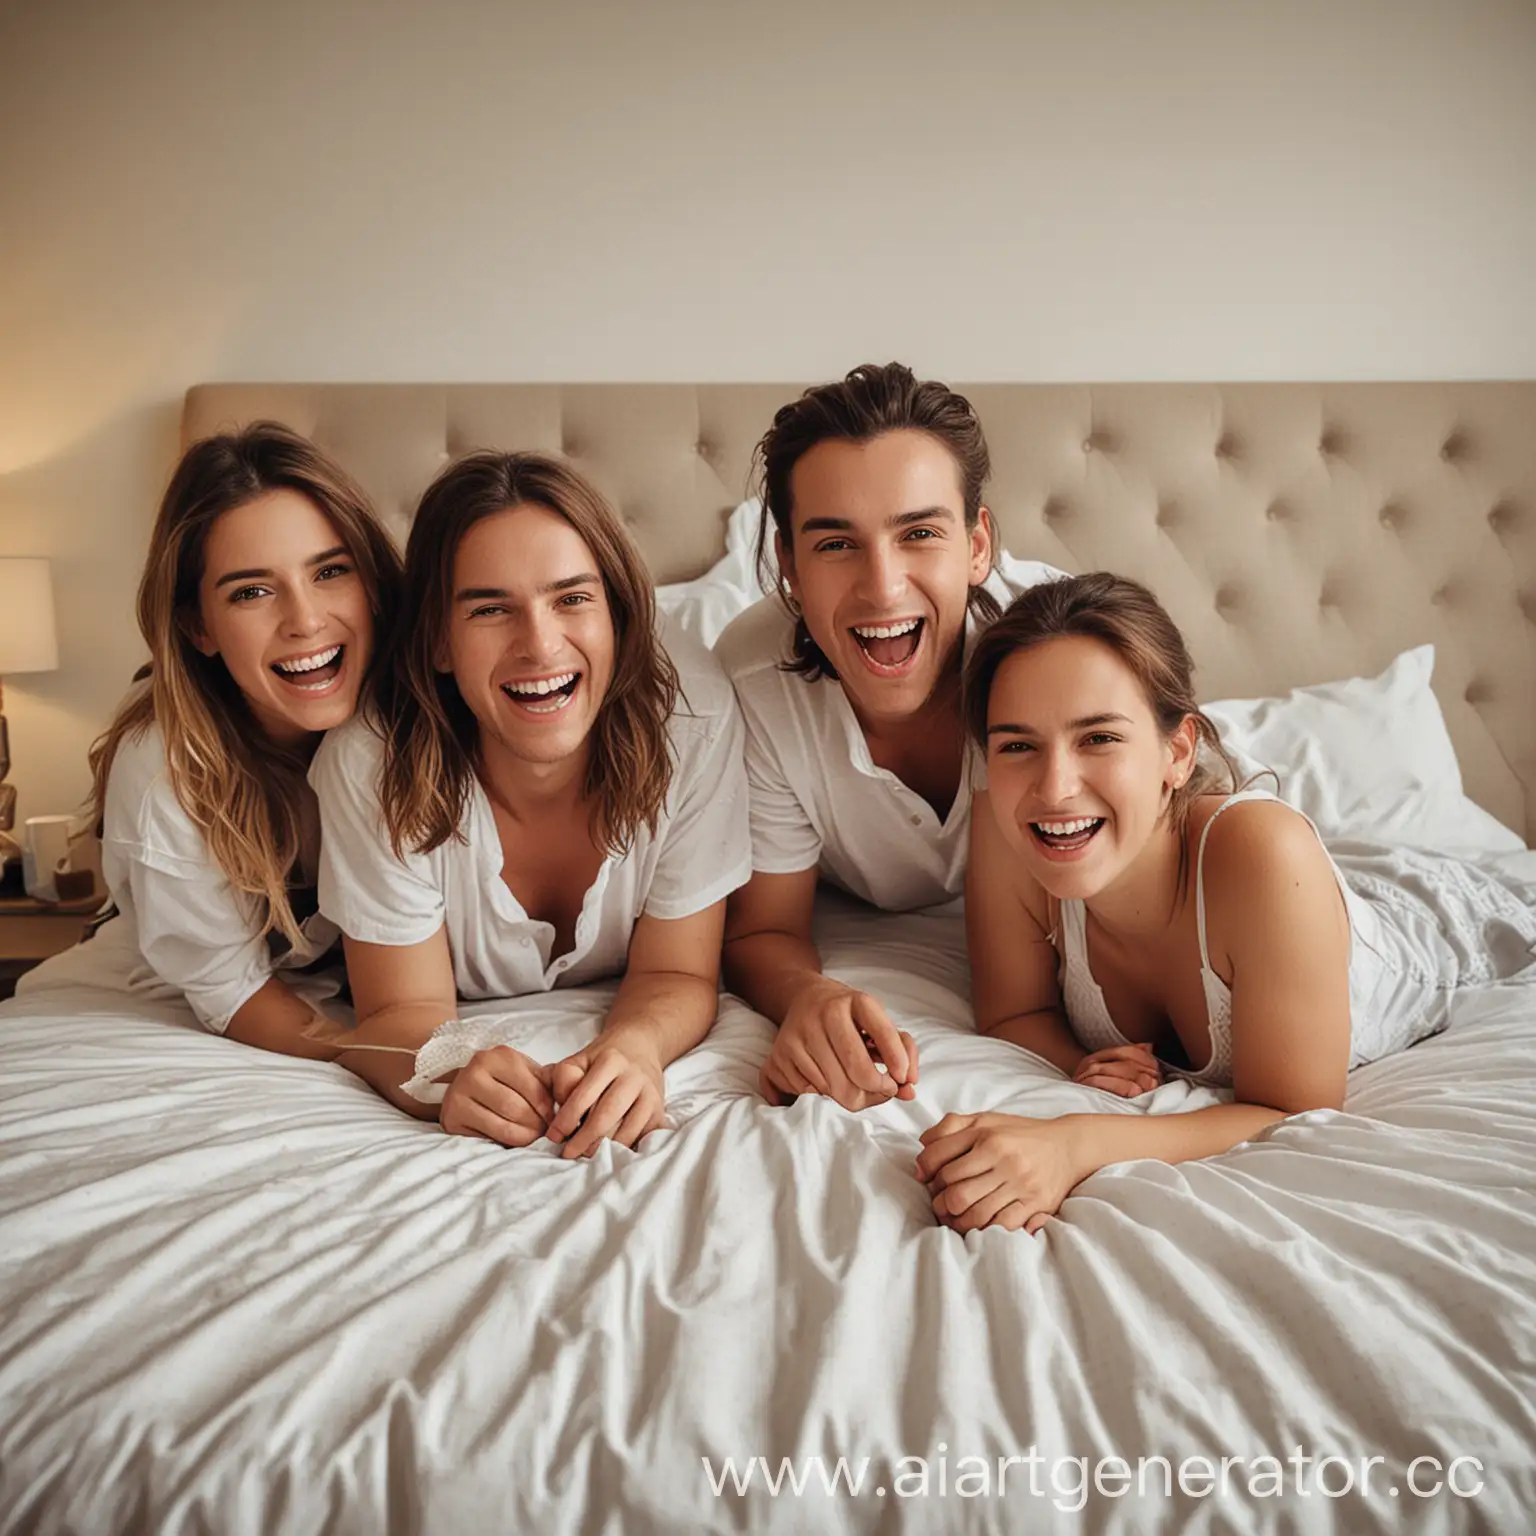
[(833, 1041), (1128, 1070), (499, 1094), (612, 1090)]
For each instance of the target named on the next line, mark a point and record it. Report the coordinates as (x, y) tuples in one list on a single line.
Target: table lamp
[(27, 644)]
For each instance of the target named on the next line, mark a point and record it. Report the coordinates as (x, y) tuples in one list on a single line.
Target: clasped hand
[(607, 1091), (1128, 1070), (991, 1170)]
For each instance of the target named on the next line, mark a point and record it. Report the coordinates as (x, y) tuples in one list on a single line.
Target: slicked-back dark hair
[(869, 402)]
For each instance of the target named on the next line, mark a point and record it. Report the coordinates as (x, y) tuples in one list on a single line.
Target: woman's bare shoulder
[(1260, 855), (1263, 830)]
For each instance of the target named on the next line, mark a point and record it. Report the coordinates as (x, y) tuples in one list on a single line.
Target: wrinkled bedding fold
[(243, 1294)]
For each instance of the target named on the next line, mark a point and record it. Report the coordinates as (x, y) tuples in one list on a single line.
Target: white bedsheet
[(242, 1294)]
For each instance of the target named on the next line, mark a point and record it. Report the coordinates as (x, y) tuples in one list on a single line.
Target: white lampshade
[(27, 639)]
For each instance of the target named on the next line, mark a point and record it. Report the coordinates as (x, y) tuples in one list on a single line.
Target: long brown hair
[(242, 790), (869, 402), (1125, 616), (430, 735)]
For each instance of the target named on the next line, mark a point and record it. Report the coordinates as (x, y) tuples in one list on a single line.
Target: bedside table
[(31, 931)]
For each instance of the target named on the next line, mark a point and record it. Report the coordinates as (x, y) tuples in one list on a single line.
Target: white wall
[(696, 189)]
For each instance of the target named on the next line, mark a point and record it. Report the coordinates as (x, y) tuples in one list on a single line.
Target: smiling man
[(849, 680), (541, 795)]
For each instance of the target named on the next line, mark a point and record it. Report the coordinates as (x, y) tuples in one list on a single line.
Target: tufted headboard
[(1296, 532)]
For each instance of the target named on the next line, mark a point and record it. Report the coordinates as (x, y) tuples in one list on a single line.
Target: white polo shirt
[(818, 797), (699, 853), (182, 930)]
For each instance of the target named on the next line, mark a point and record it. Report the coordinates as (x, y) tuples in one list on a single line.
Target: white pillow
[(1367, 758), (705, 605)]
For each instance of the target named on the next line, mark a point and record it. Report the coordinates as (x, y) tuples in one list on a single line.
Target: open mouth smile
[(543, 695), (890, 650), (315, 673), (1066, 840)]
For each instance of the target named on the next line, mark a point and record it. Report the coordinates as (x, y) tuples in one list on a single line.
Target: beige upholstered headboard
[(1296, 532)]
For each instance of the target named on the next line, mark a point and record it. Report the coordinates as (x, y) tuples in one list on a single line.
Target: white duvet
[(241, 1294)]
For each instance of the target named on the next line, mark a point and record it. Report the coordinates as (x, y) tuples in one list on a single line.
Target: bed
[(240, 1293)]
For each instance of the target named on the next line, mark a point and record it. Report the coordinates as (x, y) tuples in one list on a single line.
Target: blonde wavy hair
[(242, 790), (430, 736)]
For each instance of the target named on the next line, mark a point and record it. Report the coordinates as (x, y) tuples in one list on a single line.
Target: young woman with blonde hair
[(266, 583), (545, 791), (1131, 911)]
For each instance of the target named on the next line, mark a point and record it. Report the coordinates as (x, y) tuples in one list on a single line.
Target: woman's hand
[(999, 1170), (1127, 1070), (614, 1089), (499, 1094)]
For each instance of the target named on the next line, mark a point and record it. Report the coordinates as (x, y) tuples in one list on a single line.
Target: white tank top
[(1420, 925)]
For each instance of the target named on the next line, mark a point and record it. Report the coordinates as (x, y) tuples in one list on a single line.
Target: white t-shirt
[(699, 853), (818, 797), (182, 930)]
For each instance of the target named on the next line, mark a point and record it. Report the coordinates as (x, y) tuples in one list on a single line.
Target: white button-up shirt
[(182, 930), (818, 797), (698, 854)]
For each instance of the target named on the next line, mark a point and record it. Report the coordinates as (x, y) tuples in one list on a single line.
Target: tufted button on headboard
[(1296, 532)]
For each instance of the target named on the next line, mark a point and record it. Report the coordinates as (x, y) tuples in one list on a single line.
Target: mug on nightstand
[(45, 855)]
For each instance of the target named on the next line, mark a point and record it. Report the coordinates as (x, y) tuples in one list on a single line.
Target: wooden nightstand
[(31, 931)]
